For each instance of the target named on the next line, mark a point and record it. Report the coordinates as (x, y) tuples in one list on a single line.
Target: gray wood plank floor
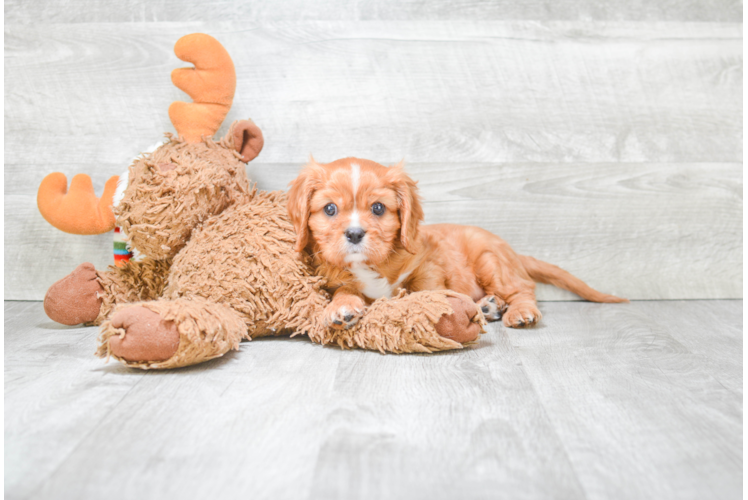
[(600, 401)]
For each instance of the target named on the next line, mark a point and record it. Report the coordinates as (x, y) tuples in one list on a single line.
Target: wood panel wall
[(605, 137)]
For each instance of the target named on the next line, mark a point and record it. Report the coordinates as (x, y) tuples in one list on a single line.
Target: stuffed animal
[(217, 262)]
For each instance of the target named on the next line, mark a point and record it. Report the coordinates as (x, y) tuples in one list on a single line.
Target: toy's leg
[(76, 298), (88, 296), (136, 281), (170, 333), (420, 322), (464, 324)]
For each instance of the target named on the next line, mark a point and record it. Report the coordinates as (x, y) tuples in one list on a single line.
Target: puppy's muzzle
[(354, 234)]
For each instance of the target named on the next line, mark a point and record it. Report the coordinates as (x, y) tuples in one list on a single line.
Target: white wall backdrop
[(605, 137)]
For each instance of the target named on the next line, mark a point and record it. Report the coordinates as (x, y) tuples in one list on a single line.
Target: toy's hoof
[(76, 298), (147, 337), (459, 326)]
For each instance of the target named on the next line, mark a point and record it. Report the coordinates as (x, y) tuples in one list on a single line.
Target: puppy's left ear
[(299, 198), (409, 201)]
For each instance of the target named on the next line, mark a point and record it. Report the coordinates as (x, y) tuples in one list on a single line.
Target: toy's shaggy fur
[(206, 330), (136, 281), (386, 320), (220, 266), (175, 188)]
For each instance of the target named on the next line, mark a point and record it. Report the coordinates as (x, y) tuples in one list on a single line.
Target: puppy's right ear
[(410, 210), (299, 198)]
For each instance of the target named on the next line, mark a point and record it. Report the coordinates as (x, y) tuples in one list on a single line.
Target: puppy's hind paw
[(521, 316), (492, 307)]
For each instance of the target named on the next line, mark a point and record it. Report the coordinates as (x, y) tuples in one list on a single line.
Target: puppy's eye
[(377, 208), (331, 209)]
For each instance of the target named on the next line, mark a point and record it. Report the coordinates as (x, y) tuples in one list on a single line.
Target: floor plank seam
[(547, 415), (84, 438)]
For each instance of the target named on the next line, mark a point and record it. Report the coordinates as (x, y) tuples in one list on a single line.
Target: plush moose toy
[(217, 262)]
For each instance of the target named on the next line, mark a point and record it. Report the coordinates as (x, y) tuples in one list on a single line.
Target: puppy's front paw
[(521, 316), (344, 312), (492, 307)]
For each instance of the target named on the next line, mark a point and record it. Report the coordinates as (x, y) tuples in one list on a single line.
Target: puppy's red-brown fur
[(361, 222)]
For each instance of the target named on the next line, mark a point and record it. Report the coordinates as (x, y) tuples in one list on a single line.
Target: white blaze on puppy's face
[(355, 249), (355, 221), (355, 177)]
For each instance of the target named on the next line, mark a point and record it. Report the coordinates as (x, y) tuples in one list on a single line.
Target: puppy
[(361, 223)]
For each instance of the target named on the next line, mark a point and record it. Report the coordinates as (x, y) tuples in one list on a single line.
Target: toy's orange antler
[(210, 84), (78, 210)]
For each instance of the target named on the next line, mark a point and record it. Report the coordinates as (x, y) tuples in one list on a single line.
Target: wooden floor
[(600, 401)]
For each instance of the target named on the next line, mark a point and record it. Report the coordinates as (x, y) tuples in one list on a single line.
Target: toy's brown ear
[(299, 198), (411, 212), (248, 140)]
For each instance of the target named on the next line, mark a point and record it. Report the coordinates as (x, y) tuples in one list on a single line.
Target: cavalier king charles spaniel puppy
[(361, 224)]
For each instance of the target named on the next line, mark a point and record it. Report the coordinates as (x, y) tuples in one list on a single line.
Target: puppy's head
[(355, 210)]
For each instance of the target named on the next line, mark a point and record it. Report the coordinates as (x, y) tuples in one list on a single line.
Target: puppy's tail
[(544, 272)]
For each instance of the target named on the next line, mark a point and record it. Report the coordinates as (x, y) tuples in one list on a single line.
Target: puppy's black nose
[(354, 234)]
